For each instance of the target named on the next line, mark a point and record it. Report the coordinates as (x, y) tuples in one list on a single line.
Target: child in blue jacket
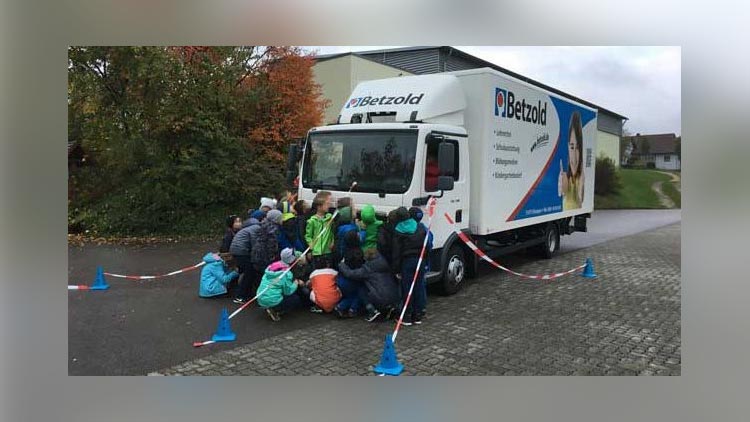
[(215, 276)]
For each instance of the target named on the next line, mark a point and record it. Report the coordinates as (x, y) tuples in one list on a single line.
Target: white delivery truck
[(511, 163)]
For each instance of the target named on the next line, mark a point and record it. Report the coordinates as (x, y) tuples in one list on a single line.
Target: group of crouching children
[(356, 264)]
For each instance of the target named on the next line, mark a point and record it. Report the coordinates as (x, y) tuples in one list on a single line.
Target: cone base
[(389, 371), (99, 287), (225, 337)]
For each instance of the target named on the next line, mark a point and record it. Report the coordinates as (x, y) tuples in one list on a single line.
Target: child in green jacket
[(322, 250), (371, 226)]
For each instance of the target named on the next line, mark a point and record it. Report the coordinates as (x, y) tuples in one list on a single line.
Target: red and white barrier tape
[(430, 211), (78, 287), (484, 256), (152, 277)]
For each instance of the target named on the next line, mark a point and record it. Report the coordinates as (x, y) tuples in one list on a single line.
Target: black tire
[(454, 271), (551, 242)]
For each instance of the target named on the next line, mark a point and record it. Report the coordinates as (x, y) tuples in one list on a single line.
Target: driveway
[(137, 327)]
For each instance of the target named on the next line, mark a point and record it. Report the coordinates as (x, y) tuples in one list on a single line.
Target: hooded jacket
[(345, 225), (382, 289), (408, 237), (315, 225), (265, 243), (241, 243), (323, 289), (372, 225), (289, 235), (284, 286), (214, 277)]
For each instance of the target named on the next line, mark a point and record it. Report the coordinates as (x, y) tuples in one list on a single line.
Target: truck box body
[(518, 144)]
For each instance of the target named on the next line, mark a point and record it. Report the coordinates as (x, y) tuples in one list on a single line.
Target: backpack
[(265, 244)]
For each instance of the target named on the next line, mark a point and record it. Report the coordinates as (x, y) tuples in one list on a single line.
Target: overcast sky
[(641, 83)]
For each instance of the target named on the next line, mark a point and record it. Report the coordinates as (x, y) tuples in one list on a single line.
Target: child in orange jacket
[(323, 290)]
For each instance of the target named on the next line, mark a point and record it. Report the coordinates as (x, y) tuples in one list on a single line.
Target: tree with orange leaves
[(182, 135)]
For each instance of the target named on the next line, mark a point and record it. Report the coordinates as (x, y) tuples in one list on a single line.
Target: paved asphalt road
[(137, 327)]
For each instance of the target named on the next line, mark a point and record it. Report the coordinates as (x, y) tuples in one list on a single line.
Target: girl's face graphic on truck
[(575, 145), (573, 154)]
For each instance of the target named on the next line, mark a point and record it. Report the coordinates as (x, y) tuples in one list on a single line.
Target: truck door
[(454, 202)]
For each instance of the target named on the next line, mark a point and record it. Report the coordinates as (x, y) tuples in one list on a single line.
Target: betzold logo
[(384, 100), (507, 106), (541, 141), (500, 102)]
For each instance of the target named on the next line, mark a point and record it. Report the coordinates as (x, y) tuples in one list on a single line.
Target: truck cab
[(401, 142)]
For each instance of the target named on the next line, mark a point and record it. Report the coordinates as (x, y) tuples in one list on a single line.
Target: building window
[(667, 158)]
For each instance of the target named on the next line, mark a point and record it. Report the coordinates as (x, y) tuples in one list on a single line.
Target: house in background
[(338, 74), (661, 151)]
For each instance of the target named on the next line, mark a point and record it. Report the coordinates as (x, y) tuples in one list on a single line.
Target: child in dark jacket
[(345, 225), (288, 233), (417, 214), (380, 291), (407, 241), (234, 224), (350, 303)]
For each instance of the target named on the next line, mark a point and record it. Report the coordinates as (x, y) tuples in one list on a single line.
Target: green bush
[(166, 135), (607, 181)]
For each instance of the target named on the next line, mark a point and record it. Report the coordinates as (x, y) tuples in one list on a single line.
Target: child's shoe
[(372, 315), (274, 315), (339, 313), (407, 321), (314, 309)]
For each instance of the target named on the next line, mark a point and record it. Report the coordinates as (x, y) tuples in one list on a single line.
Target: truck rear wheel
[(551, 241), (454, 271)]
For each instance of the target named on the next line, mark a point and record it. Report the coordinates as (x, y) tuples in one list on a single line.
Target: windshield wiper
[(327, 186)]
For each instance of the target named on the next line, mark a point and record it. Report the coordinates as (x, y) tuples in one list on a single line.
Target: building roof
[(326, 57), (659, 143), (484, 63)]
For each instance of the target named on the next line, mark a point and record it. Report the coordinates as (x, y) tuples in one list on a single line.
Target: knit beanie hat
[(416, 213), (258, 215), (274, 216), (288, 256), (267, 202), (402, 214)]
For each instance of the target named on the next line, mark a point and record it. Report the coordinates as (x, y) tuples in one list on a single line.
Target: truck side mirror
[(446, 155), (291, 163), (445, 183)]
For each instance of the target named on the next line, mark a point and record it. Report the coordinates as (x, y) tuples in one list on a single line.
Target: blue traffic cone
[(588, 270), (389, 364), (224, 331), (100, 283)]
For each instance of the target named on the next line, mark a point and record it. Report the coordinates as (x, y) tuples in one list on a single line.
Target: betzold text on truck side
[(511, 163)]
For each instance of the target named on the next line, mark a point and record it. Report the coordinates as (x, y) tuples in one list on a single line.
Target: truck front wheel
[(454, 270)]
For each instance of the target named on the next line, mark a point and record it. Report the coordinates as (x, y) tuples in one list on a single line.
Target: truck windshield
[(379, 161)]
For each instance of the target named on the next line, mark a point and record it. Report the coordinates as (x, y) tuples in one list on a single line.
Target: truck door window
[(431, 164)]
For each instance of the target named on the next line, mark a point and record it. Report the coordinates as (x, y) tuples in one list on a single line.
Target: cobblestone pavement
[(625, 322)]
